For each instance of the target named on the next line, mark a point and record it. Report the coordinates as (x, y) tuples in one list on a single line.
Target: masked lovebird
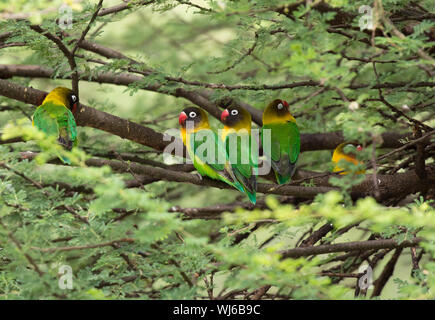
[(285, 142), (348, 156), (242, 149), (54, 117), (198, 137)]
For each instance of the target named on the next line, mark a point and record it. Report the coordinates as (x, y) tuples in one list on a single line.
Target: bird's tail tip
[(252, 197), (282, 179), (65, 160)]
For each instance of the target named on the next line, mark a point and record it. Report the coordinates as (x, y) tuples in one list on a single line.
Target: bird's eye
[(73, 98), (280, 106), (234, 112), (192, 114)]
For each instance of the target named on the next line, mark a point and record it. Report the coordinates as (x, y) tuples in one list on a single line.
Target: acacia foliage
[(126, 235)]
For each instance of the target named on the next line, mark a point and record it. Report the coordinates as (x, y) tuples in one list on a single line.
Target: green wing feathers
[(214, 164), (244, 163), (284, 149)]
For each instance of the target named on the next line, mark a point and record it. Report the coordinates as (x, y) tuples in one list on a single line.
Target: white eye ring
[(280, 106), (192, 114), (234, 112), (73, 98)]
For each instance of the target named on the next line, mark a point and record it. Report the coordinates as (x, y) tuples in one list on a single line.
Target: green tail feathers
[(65, 160), (282, 179), (252, 196), (238, 186), (284, 171), (67, 144)]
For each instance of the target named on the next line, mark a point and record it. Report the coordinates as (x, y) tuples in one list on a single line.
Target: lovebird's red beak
[(285, 103), (182, 118), (359, 148), (224, 115)]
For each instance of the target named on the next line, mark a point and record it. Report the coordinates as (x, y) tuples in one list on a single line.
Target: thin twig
[(250, 50), (85, 247), (88, 27)]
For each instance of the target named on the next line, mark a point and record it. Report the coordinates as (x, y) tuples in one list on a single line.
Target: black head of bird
[(192, 116), (64, 96), (277, 111), (236, 117)]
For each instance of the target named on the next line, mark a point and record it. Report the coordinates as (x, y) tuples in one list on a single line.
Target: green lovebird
[(54, 117), (285, 142), (241, 148), (204, 147)]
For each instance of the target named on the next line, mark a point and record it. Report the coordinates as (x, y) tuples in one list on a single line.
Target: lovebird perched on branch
[(242, 149), (285, 142), (204, 147), (55, 117), (348, 156)]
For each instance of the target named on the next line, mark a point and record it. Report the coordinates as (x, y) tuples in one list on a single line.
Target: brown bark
[(88, 116)]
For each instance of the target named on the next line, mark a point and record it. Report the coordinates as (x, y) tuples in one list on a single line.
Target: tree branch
[(89, 246), (349, 246), (90, 117)]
